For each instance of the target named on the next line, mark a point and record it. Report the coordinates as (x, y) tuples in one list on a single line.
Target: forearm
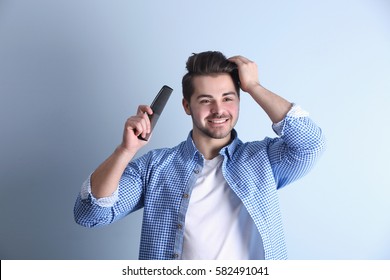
[(275, 106), (105, 179)]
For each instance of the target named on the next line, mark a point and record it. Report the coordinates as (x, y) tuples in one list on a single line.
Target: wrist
[(124, 153), (255, 89)]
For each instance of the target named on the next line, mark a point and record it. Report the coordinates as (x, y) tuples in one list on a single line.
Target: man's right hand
[(135, 126)]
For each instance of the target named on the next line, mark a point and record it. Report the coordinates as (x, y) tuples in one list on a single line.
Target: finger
[(144, 109), (238, 59), (146, 122), (142, 116), (136, 124)]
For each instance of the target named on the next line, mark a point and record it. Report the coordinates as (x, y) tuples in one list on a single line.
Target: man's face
[(214, 106)]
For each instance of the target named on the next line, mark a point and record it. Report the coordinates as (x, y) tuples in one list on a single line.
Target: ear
[(186, 106)]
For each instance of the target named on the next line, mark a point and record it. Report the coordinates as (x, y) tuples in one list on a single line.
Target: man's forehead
[(214, 85)]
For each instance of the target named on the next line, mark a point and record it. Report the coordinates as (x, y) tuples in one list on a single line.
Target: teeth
[(219, 121)]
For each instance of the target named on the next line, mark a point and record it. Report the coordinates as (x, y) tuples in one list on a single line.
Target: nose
[(216, 108)]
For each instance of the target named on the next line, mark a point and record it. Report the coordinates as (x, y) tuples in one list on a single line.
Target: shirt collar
[(231, 147), (190, 146), (227, 150)]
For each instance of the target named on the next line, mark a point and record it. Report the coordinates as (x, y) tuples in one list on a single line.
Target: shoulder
[(253, 148)]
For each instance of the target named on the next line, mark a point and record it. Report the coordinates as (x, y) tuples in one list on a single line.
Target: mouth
[(218, 121)]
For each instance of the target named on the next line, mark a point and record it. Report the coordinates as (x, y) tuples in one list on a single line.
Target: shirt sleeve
[(295, 112), (299, 145), (128, 197), (86, 193)]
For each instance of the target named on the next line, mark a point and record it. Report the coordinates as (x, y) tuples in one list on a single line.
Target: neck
[(209, 147)]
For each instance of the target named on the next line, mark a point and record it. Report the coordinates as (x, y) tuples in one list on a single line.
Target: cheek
[(197, 114), (201, 115), (234, 108)]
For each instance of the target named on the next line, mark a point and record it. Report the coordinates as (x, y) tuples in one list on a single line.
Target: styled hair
[(208, 63)]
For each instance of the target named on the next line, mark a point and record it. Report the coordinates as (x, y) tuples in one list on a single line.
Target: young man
[(212, 196)]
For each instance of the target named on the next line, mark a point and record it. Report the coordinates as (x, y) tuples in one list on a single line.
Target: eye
[(227, 99), (205, 101)]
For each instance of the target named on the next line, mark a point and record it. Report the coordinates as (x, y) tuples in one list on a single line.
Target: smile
[(218, 121)]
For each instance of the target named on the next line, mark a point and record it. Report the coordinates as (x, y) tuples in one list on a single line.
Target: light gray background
[(72, 71)]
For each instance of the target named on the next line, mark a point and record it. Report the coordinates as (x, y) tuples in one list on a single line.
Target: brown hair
[(208, 63)]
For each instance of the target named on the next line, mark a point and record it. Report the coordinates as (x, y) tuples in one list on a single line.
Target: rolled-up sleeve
[(86, 192), (300, 144), (91, 212)]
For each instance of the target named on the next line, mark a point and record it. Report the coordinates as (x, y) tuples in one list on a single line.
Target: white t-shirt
[(217, 225)]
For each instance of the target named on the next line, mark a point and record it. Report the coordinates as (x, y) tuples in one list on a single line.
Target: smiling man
[(214, 107), (212, 196)]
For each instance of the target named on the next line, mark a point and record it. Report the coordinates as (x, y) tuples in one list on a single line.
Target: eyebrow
[(210, 96)]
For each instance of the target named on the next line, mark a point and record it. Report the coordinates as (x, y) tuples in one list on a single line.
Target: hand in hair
[(248, 73)]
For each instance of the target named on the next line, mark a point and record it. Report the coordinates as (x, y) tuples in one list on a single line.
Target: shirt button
[(196, 171), (175, 256), (179, 226), (186, 195)]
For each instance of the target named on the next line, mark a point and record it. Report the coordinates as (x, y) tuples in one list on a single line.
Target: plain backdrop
[(72, 71)]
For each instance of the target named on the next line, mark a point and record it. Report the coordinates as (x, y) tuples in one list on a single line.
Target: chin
[(219, 135)]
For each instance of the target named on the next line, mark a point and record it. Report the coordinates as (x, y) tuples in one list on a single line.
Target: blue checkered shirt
[(161, 182)]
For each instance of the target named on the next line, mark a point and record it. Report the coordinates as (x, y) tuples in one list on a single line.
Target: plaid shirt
[(161, 182)]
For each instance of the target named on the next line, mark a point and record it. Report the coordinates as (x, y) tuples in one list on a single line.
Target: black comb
[(157, 106)]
